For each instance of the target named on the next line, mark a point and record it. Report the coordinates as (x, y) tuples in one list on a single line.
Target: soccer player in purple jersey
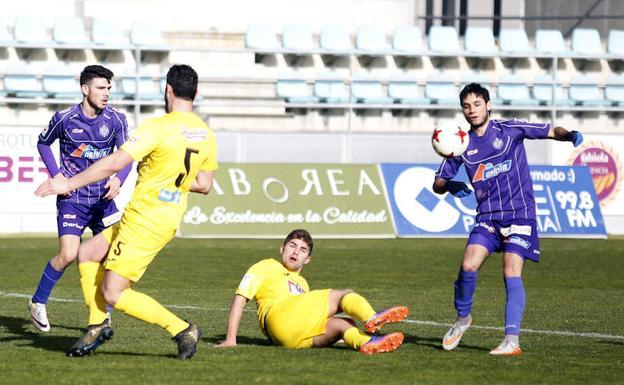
[(496, 164), (86, 132)]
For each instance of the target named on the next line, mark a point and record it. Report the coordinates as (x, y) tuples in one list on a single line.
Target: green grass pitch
[(574, 317)]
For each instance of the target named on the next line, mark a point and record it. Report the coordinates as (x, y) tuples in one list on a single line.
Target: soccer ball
[(449, 139)]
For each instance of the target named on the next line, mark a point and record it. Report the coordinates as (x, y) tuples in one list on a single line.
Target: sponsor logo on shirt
[(515, 229), (472, 152), (194, 135), (113, 218), (486, 226), (90, 152), (69, 216), (489, 170), (104, 130), (294, 288), (77, 131), (518, 241), (170, 196), (76, 225)]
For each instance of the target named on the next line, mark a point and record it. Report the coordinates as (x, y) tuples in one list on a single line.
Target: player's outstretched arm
[(234, 317), (456, 188), (99, 170), (203, 182), (563, 135)]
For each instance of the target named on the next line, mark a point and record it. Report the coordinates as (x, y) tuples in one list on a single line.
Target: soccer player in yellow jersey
[(176, 154), (294, 317)]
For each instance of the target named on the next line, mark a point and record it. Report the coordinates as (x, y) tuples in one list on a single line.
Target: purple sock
[(514, 308), (49, 278), (464, 291)]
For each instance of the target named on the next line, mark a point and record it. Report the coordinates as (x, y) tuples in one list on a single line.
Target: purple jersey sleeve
[(448, 168), (520, 129), (48, 159), (48, 136)]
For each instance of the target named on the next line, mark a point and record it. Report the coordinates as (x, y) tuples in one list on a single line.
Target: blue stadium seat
[(586, 41), (480, 40), (22, 82), (335, 38), (514, 41), (331, 89), (441, 90), (443, 39), (59, 83), (106, 32), (543, 92), (30, 30), (368, 90), (407, 40), (550, 41), (149, 89), (146, 33), (371, 39), (405, 90), (294, 90), (261, 37), (69, 30), (584, 91), (615, 43), (297, 37), (615, 92), (513, 90)]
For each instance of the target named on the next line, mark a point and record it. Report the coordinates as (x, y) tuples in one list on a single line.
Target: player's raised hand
[(113, 185), (458, 189), (54, 186)]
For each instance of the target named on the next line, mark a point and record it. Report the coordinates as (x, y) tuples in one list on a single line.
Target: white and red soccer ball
[(449, 139)]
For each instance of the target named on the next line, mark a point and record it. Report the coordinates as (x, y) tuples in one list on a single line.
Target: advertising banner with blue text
[(565, 198), (269, 200)]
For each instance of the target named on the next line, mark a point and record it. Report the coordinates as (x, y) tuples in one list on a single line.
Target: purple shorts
[(517, 236), (73, 218)]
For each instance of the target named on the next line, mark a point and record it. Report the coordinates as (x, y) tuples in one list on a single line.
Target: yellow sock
[(355, 338), (146, 308), (357, 307), (91, 275)]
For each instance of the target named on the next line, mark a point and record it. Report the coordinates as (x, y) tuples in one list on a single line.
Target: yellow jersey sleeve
[(143, 140), (252, 280), (210, 163)]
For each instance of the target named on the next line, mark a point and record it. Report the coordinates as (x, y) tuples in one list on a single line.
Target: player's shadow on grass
[(240, 340), (18, 327), (436, 343)]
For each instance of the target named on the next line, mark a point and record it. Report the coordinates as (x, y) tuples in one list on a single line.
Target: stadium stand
[(146, 33), (335, 39), (21, 81), (405, 90), (298, 38), (330, 88), (480, 40), (69, 30), (294, 90), (514, 41), (615, 43), (368, 90), (543, 92), (584, 91), (614, 90), (57, 83), (444, 39), (106, 33), (261, 37), (549, 42), (407, 40), (513, 90), (440, 89), (371, 40), (586, 41), (30, 30)]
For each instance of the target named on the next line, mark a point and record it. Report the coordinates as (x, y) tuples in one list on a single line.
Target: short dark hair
[(183, 81), (474, 88), (95, 71), (302, 234)]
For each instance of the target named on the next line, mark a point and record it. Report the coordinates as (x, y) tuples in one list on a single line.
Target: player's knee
[(110, 296), (470, 266), (66, 257)]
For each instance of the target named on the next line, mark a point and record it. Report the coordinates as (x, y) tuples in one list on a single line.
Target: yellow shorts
[(295, 321), (133, 248)]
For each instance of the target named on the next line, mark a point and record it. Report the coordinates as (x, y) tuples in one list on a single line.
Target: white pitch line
[(418, 322)]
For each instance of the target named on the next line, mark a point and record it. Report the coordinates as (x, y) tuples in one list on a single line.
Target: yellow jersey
[(171, 150), (269, 282)]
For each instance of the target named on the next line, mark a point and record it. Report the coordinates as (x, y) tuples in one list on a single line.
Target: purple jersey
[(82, 142), (498, 170)]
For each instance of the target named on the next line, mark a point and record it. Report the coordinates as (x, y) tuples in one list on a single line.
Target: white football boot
[(456, 332), (39, 316)]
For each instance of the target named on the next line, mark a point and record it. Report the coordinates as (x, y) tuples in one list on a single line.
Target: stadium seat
[(69, 30), (146, 33), (615, 42), (331, 89), (441, 90), (586, 41), (297, 37), (4, 34), (513, 90), (294, 90), (615, 92), (149, 89), (371, 39), (22, 82), (443, 39), (584, 91), (59, 83), (106, 32), (514, 41), (405, 90), (261, 37), (407, 40), (30, 30), (335, 38), (480, 40), (368, 90), (550, 41), (543, 92)]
